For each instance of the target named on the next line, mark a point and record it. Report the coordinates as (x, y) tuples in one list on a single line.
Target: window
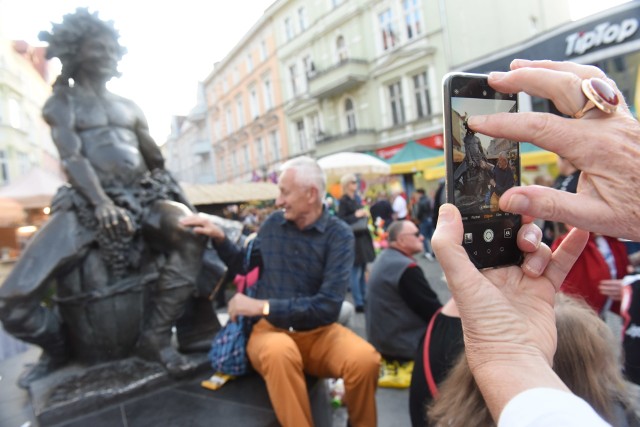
[(253, 103), (288, 29), (293, 77), (4, 167), (316, 130), (302, 136), (229, 118), (15, 115), (236, 75), (268, 95), (302, 19), (309, 68), (421, 91), (234, 162), (249, 63), (397, 106), (216, 130), (387, 30), (341, 49), (275, 145), (262, 159), (412, 18), (247, 158), (350, 114), (24, 165), (263, 50), (240, 111)]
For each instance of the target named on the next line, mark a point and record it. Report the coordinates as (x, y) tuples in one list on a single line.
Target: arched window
[(350, 114), (341, 48)]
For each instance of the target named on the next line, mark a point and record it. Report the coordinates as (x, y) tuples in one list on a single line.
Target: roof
[(209, 194)]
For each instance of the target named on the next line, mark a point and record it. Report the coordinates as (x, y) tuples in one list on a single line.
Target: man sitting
[(400, 304)]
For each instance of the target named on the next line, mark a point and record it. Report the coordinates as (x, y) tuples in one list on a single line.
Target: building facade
[(25, 140), (245, 109), (325, 76), (188, 152)]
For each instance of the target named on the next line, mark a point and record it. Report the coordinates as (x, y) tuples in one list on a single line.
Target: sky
[(171, 45)]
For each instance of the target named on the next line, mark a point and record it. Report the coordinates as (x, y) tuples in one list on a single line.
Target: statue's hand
[(112, 219)]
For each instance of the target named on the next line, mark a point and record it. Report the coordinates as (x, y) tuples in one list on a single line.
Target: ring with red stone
[(599, 94)]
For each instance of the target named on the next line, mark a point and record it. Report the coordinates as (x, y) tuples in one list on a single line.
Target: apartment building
[(188, 152), (324, 76), (25, 140), (245, 110)]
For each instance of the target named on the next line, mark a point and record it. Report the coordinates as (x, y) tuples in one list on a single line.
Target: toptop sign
[(603, 34)]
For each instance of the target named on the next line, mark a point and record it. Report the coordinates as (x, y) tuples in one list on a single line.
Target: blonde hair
[(345, 180), (585, 360)]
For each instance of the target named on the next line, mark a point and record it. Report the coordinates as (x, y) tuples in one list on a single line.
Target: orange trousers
[(282, 357)]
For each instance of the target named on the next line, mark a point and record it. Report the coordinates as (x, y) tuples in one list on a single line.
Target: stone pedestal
[(155, 400)]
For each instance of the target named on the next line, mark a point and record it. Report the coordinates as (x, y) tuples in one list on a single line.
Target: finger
[(529, 237), (128, 223), (565, 256), (193, 220), (555, 205), (563, 88), (536, 262), (447, 245), (583, 71)]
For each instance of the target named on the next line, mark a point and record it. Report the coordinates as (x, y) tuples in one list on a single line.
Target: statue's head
[(70, 41)]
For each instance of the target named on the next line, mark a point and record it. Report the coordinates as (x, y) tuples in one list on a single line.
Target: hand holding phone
[(479, 169)]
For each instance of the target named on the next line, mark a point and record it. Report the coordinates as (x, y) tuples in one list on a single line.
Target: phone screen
[(480, 169)]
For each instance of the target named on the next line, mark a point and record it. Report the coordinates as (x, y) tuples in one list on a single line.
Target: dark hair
[(421, 191), (66, 38)]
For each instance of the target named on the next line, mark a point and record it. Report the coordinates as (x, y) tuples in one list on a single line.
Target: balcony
[(339, 78), (359, 140), (201, 146)]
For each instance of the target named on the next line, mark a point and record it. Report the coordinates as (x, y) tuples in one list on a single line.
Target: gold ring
[(599, 94)]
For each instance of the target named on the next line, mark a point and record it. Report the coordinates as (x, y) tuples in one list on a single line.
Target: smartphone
[(479, 169)]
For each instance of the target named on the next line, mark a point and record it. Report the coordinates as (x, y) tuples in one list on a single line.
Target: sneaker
[(394, 374), (428, 256)]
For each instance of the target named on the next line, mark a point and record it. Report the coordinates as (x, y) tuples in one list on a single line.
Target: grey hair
[(308, 173)]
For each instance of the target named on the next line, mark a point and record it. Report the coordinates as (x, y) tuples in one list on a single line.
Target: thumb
[(447, 245)]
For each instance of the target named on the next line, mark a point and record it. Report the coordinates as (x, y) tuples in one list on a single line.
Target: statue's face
[(98, 55)]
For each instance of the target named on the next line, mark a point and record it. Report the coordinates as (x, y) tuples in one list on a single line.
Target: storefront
[(609, 40)]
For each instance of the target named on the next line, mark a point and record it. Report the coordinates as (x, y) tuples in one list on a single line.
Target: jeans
[(358, 284), (426, 229)]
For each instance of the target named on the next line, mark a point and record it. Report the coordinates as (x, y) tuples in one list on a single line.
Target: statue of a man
[(120, 198)]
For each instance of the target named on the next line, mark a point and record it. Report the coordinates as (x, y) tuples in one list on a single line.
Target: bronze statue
[(113, 232)]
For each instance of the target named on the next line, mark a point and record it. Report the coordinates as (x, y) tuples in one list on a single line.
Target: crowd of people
[(499, 337)]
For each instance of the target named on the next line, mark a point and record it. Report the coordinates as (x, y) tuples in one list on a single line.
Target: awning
[(11, 213), (210, 194), (414, 157), (33, 190)]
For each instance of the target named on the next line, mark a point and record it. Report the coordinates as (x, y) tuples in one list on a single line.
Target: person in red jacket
[(604, 258)]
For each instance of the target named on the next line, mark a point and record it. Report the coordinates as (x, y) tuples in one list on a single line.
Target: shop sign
[(603, 34)]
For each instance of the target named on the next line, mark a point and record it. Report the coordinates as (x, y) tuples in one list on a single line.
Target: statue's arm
[(153, 156), (148, 147)]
